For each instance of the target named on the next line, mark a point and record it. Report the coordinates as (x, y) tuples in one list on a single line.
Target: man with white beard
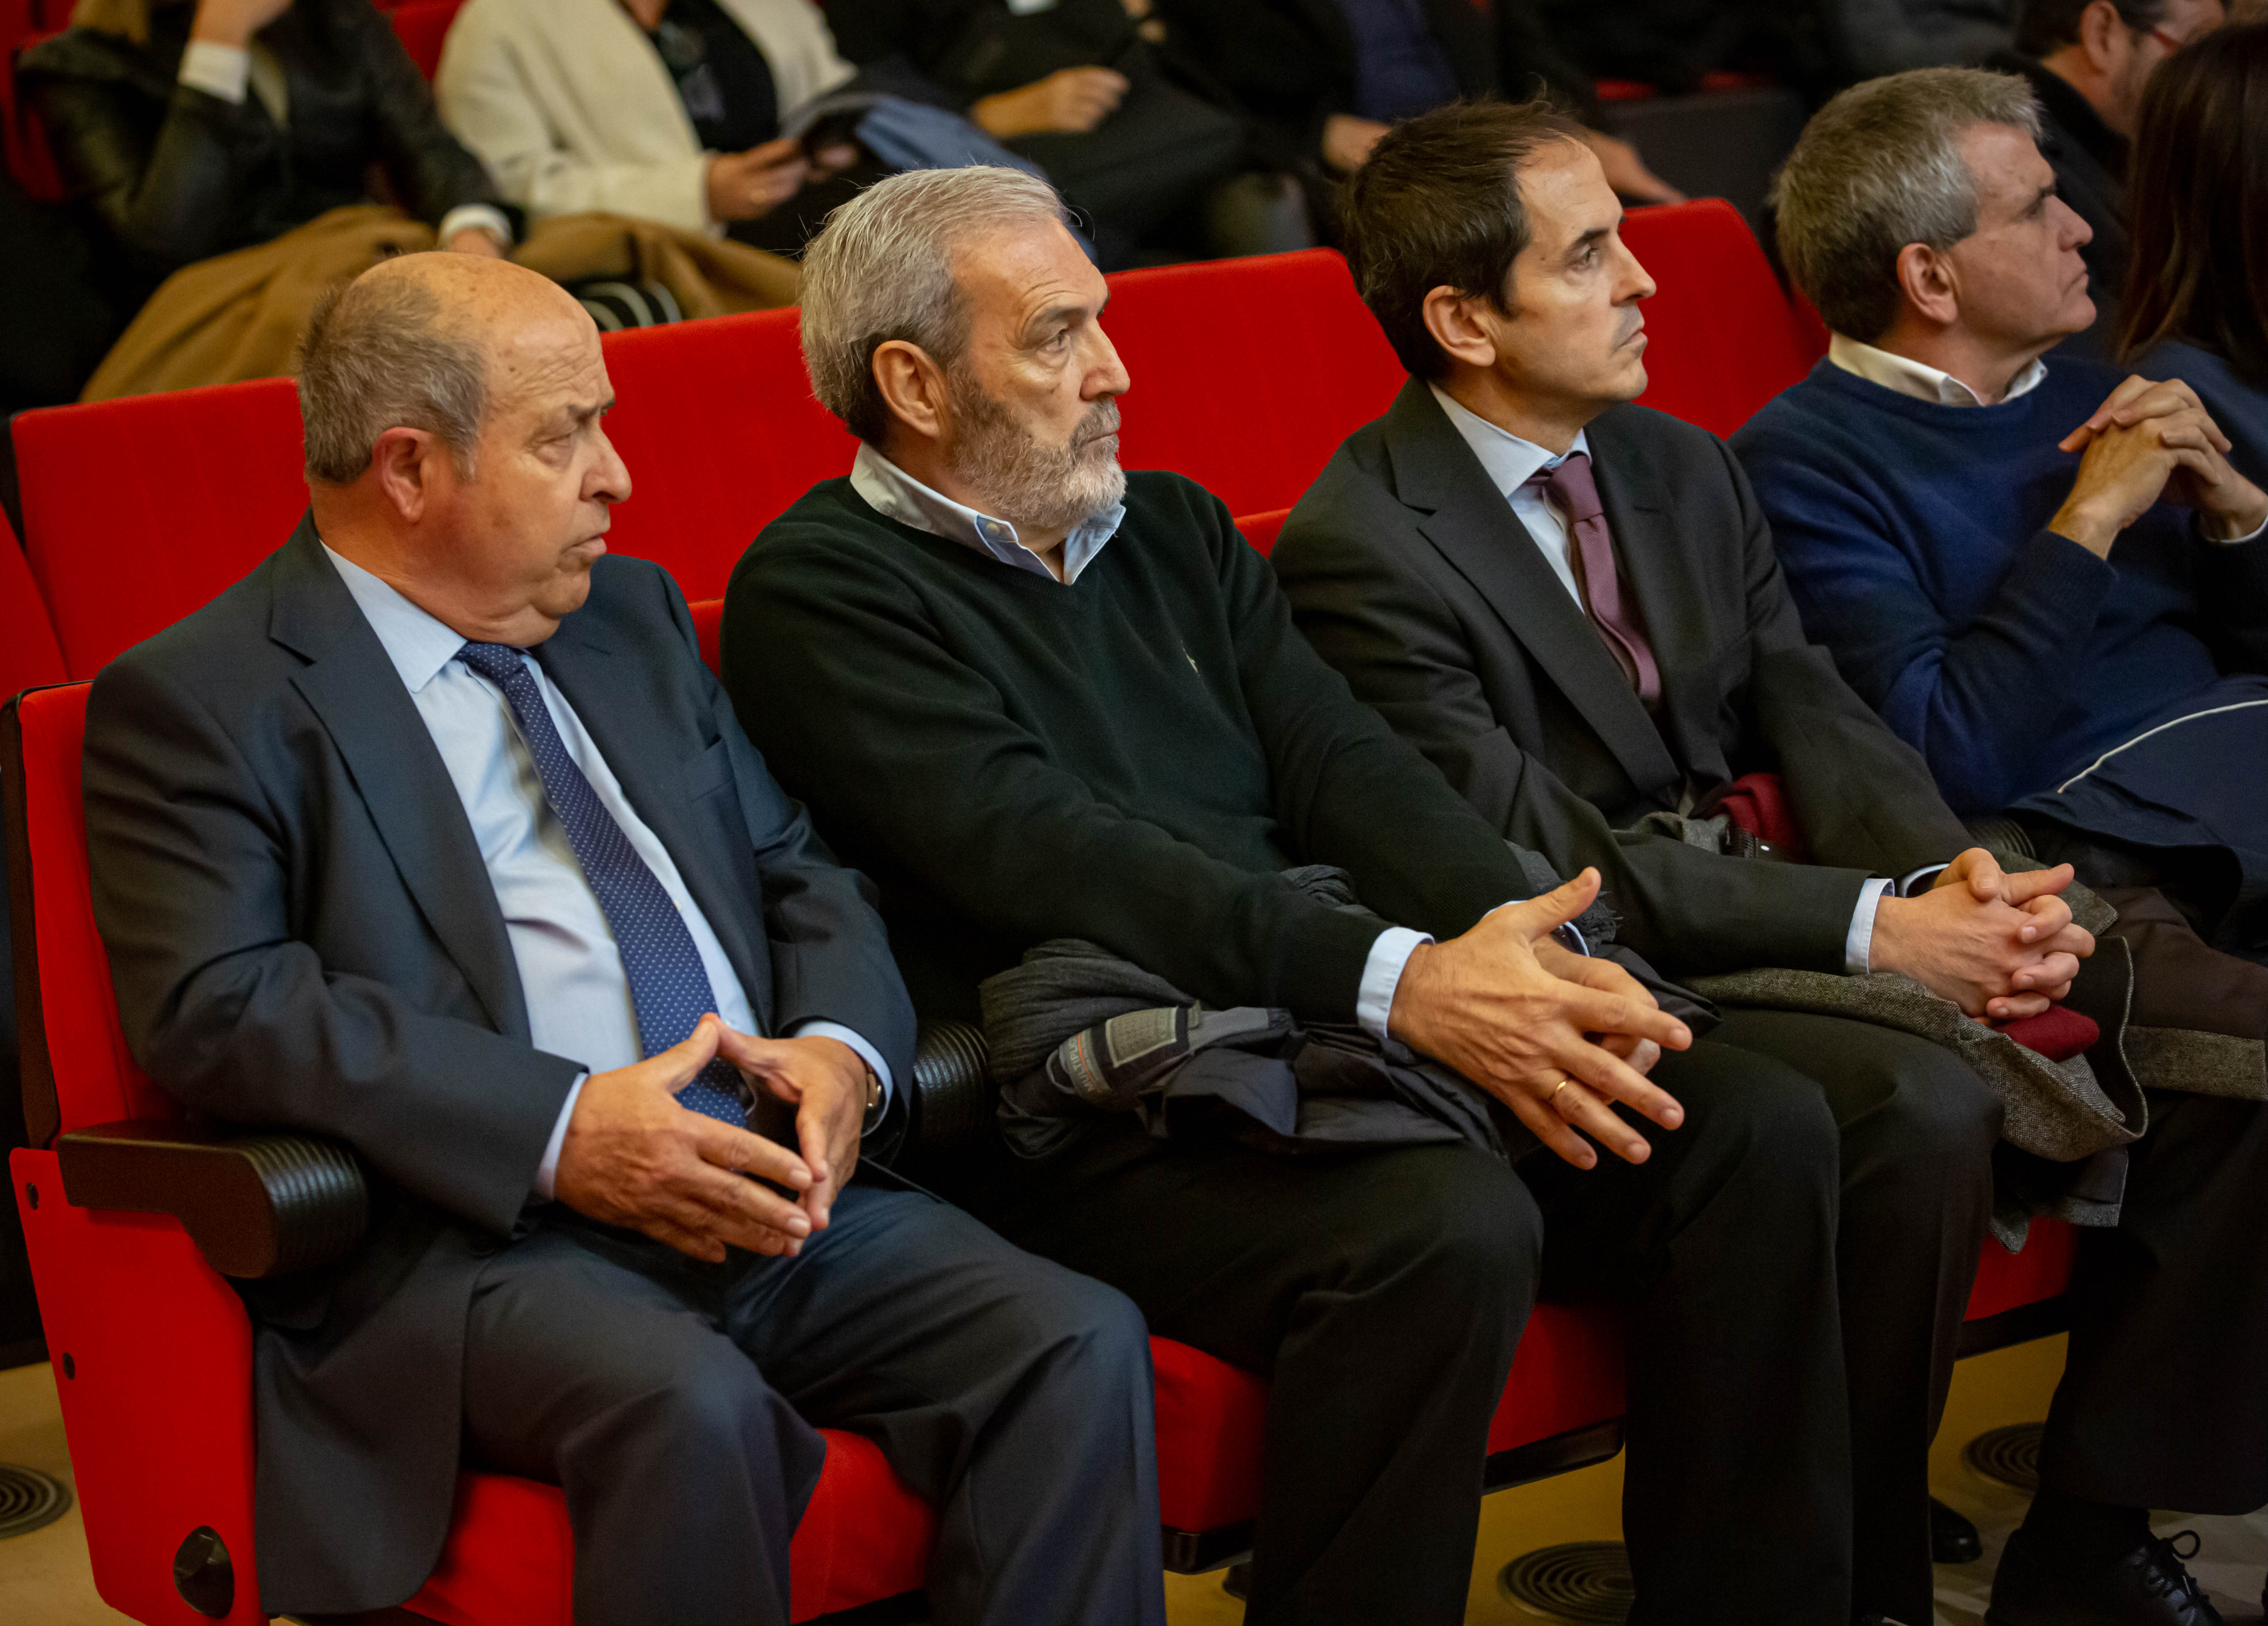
[(1038, 699)]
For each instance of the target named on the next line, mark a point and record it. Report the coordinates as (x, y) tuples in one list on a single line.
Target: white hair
[(1877, 168), (881, 269)]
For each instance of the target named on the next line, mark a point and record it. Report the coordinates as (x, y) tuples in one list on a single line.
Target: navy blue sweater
[(1913, 536)]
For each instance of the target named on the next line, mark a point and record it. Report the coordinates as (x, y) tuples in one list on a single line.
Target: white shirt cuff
[(547, 1173), (1858, 943), (1381, 974), (816, 1029), (2231, 541), (218, 70), (476, 217)]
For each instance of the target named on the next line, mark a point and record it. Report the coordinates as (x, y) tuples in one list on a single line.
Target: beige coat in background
[(571, 109)]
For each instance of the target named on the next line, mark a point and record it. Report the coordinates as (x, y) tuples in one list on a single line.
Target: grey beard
[(1024, 481)]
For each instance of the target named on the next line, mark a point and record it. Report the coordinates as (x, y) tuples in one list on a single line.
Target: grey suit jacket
[(303, 933), (1410, 572)]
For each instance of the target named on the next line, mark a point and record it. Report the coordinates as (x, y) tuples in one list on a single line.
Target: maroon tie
[(1572, 487)]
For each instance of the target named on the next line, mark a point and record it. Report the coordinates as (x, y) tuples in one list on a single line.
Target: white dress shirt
[(225, 72), (1510, 462), (896, 495), (578, 999), (1919, 379)]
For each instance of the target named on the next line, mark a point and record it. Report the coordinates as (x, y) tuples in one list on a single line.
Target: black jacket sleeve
[(432, 170)]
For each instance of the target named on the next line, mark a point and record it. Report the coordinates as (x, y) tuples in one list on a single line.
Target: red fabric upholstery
[(1248, 373), (138, 512), (2006, 1281), (717, 422), (1261, 530), (29, 655), (421, 26), (1723, 340), (708, 622)]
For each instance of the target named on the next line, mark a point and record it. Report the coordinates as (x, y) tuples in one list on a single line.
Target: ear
[(1458, 326), (913, 388), (2102, 35), (1926, 276), (404, 465)]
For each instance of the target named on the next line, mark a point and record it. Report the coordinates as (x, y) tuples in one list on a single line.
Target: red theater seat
[(421, 26), (1260, 529), (1722, 338), (1248, 373), (29, 655), (138, 511)]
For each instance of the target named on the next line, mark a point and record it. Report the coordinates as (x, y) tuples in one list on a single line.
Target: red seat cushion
[(2006, 1281), (1248, 373), (1722, 338), (708, 625)]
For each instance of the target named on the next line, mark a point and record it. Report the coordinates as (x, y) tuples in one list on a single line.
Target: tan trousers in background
[(239, 316)]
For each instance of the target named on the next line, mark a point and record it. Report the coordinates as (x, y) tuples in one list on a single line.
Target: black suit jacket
[(1410, 572), (303, 933)]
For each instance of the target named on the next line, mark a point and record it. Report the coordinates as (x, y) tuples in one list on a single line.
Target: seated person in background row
[(1570, 606), (2194, 308), (433, 835), (2045, 579), (2019, 610), (187, 130), (1326, 77), (1105, 97), (1039, 699), (2087, 61)]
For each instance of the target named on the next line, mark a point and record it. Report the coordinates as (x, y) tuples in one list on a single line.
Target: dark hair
[(2045, 26), (1438, 203), (2199, 193)]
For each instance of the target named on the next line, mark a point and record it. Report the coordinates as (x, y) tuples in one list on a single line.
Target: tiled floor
[(44, 1581)]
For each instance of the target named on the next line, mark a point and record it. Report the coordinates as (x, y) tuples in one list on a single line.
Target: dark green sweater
[(1130, 759)]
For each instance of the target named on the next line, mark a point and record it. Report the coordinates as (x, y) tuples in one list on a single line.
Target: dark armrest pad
[(953, 1094), (255, 1204)]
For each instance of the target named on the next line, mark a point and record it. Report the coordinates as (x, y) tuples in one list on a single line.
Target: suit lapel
[(374, 725), (1469, 521), (613, 694)]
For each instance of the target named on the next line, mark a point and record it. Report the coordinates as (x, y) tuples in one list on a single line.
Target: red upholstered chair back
[(69, 1027), (421, 26), (29, 655), (1723, 339), (1260, 529), (138, 512), (718, 424), (1248, 373)]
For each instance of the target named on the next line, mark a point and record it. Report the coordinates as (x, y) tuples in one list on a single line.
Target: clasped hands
[(632, 1157), (1563, 1040), (2149, 440)]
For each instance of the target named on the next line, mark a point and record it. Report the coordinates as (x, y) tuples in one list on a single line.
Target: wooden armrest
[(953, 1094), (255, 1204)]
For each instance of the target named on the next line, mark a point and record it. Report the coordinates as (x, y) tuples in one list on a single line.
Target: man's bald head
[(418, 341)]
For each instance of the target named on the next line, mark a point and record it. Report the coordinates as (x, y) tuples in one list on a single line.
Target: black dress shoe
[(2148, 1586), (1952, 1539)]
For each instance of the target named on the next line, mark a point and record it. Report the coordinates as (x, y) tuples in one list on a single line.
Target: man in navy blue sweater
[(2047, 581)]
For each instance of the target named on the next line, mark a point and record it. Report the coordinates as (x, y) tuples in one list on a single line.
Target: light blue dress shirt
[(1510, 463), (578, 1000), (896, 495)]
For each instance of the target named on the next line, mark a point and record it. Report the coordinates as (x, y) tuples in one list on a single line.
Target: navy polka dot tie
[(669, 987)]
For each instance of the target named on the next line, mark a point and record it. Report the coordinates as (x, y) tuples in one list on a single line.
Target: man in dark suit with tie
[(1570, 607), (434, 835)]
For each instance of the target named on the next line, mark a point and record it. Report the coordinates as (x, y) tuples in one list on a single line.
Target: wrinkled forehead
[(2007, 167), (544, 362), (1020, 278)]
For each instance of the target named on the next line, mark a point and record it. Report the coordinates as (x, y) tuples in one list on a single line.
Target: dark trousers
[(1916, 1130), (674, 1401), (1383, 1293), (2163, 1402)]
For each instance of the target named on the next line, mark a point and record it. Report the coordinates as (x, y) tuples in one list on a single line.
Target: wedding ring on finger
[(1552, 1099)]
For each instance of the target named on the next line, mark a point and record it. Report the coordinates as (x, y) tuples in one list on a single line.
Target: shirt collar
[(418, 645), (896, 495), (1508, 460), (1920, 380)]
